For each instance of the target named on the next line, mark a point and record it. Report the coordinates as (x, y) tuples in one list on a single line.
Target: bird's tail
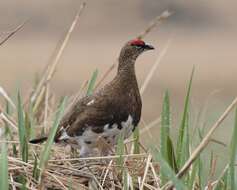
[(38, 140)]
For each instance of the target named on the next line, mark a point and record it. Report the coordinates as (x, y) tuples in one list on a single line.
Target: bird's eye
[(137, 45)]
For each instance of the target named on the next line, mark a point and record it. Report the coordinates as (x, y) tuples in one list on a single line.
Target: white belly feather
[(88, 140)]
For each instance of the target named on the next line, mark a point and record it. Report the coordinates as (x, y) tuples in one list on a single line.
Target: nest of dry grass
[(65, 171)]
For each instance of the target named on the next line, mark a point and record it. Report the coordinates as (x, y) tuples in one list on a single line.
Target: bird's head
[(131, 50)]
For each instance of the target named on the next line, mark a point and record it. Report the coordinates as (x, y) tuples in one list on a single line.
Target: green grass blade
[(136, 145), (183, 130), (22, 130), (171, 155), (21, 122), (92, 82), (233, 152), (9, 112), (7, 127), (201, 172), (193, 175), (125, 180), (4, 184), (167, 170), (164, 132), (27, 125), (70, 182), (35, 170), (32, 121), (165, 127), (222, 183), (120, 152), (185, 142), (23, 187), (46, 150)]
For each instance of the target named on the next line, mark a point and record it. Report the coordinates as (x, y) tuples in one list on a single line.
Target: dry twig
[(153, 69), (11, 33), (37, 95), (158, 20)]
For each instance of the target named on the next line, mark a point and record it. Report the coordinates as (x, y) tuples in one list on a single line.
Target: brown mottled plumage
[(109, 111)]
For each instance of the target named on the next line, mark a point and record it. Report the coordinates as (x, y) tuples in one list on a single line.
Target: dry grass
[(65, 172)]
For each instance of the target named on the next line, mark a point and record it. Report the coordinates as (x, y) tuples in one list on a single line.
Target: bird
[(111, 112)]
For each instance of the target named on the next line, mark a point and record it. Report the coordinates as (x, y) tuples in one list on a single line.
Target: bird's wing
[(94, 112), (72, 114)]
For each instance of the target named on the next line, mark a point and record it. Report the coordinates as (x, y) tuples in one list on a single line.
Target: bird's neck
[(126, 73), (126, 65)]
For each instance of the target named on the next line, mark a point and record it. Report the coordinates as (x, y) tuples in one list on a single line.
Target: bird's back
[(109, 108)]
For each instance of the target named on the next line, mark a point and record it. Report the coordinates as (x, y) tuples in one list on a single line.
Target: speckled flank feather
[(113, 110)]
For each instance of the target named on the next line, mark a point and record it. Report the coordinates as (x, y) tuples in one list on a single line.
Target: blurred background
[(202, 33)]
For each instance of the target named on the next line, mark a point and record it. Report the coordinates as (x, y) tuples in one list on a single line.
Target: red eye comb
[(137, 42)]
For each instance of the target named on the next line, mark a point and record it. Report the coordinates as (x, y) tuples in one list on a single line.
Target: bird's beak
[(148, 47)]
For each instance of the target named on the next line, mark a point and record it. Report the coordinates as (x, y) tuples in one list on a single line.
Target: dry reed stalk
[(158, 20), (57, 180), (52, 68), (73, 100), (204, 110), (157, 180), (102, 157), (149, 187), (7, 97), (211, 173), (154, 67), (218, 142), (221, 175), (95, 178), (150, 125), (106, 172), (46, 107), (148, 129), (6, 118), (12, 182), (111, 68), (11, 33), (146, 171)]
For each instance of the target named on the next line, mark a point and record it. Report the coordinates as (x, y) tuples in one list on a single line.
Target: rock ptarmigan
[(112, 111)]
